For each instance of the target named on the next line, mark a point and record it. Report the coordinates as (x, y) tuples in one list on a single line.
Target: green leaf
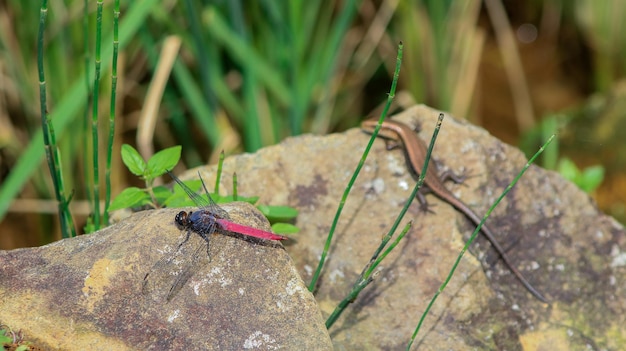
[(130, 197), (278, 213), (568, 169), (161, 194), (591, 178), (284, 228), (176, 200), (89, 226), (587, 180), (133, 160), (5, 339), (163, 161)]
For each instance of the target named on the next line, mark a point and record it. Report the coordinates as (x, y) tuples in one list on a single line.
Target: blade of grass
[(202, 52), (187, 89), (474, 235), (392, 93), (446, 39), (323, 67), (197, 104), (252, 138), (245, 55), (251, 128)]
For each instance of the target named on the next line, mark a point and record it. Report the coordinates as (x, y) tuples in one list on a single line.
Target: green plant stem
[(50, 145), (116, 43), (392, 93), (85, 117), (366, 277), (420, 180), (94, 119), (474, 235), (218, 176), (235, 186)]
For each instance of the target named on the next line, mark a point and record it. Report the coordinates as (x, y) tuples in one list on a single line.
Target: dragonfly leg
[(184, 241)]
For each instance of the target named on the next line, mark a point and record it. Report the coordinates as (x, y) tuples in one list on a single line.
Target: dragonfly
[(171, 272)]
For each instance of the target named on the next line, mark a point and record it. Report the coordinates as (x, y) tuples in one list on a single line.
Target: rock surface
[(86, 293), (553, 232)]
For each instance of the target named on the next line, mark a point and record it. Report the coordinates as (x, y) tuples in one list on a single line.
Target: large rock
[(87, 293), (553, 232)]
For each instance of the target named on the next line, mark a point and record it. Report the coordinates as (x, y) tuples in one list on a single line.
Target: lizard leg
[(457, 178), (425, 207), (392, 144)]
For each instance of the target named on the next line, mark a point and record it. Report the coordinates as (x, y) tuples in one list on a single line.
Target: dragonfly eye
[(182, 218)]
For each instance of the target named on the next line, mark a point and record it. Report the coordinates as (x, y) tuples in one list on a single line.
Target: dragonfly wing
[(213, 206), (187, 272), (197, 199), (200, 201), (170, 273)]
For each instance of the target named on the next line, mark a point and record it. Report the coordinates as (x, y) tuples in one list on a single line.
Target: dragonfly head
[(182, 218)]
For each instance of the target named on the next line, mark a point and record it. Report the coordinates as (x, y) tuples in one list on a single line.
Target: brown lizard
[(415, 150)]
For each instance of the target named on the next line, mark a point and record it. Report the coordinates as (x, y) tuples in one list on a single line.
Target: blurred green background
[(240, 75)]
